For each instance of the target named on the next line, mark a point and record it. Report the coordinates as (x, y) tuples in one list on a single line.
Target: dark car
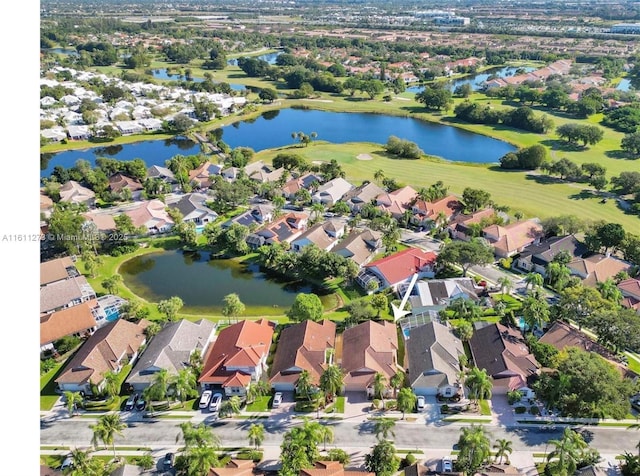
[(131, 402), (168, 460), (140, 404)]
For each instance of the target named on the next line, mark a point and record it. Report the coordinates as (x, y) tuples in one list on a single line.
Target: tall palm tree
[(383, 427), (396, 382), (326, 432), (406, 400), (197, 435), (160, 384), (535, 312), (609, 290), (108, 426), (474, 449), (184, 384), (317, 209), (567, 451), (533, 280), (72, 400), (378, 175), (80, 460), (200, 460), (256, 434), (479, 384), (111, 384), (503, 448), (304, 385), (331, 381), (379, 385), (505, 284)]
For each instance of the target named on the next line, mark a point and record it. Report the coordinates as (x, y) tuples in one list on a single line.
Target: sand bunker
[(364, 157)]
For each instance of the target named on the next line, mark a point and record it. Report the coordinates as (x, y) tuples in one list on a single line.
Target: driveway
[(502, 412), (356, 405)]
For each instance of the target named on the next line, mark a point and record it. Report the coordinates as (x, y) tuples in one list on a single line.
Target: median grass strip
[(260, 404), (468, 420)]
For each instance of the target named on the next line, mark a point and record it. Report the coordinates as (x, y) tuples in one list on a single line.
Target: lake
[(202, 283), (477, 80), (163, 74), (269, 58), (274, 128)]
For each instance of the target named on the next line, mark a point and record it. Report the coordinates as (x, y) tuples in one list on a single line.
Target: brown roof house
[(435, 213), (66, 293), (597, 268), (151, 215), (77, 321), (323, 235), (630, 289), (397, 202), (109, 349), (238, 357), (360, 246), (360, 196), (332, 468), (369, 348), (235, 467), (511, 239), (118, 183), (503, 353), (73, 192), (306, 346), (58, 269), (461, 226)]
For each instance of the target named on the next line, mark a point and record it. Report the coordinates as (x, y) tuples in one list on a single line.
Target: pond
[(202, 283), (153, 152), (274, 128), (624, 85), (269, 58), (477, 80), (163, 74)]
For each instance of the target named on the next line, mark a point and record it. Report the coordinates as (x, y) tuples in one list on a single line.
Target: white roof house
[(332, 191)]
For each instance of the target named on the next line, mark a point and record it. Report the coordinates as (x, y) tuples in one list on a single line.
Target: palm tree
[(256, 434), (503, 448), (609, 290), (200, 460), (304, 385), (557, 274), (326, 432), (80, 460), (383, 427), (567, 452), (331, 381), (479, 384), (535, 312), (111, 384), (231, 406), (73, 399), (160, 384), (200, 435), (317, 209), (534, 280), (378, 175), (397, 381), (406, 400), (184, 384), (379, 385), (474, 449), (108, 426), (505, 284)]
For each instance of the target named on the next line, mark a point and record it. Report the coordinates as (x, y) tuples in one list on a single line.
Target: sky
[(19, 182)]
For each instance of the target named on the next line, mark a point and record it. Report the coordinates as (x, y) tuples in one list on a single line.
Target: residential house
[(360, 246), (193, 208), (262, 173), (562, 335), (398, 268), (128, 127), (332, 468), (257, 216), (73, 192), (78, 132), (630, 289), (496, 469), (462, 226), (306, 346), (235, 467), (58, 269), (439, 212), (46, 205), (294, 185), (164, 174), (367, 349), (398, 202), (65, 293), (237, 357), (77, 321), (508, 240), (433, 360), (151, 215), (437, 294), (109, 349), (283, 230), (99, 222), (503, 353), (317, 235), (597, 268), (536, 257), (332, 191), (171, 349), (118, 183), (203, 176), (360, 196), (150, 124)]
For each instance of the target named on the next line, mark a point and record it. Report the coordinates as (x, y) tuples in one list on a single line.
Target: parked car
[(420, 404), (67, 463), (447, 464), (131, 402), (167, 461), (141, 404), (216, 400), (277, 399), (204, 398)]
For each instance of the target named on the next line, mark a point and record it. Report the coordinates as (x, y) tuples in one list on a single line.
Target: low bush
[(520, 410), (534, 410)]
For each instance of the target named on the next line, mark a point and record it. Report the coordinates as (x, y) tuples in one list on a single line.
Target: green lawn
[(485, 409), (261, 404), (48, 395)]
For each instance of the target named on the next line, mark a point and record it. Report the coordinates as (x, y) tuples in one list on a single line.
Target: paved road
[(162, 433)]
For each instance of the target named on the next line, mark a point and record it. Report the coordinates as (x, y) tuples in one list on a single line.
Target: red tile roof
[(403, 264)]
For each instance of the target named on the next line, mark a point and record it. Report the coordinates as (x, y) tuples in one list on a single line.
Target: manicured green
[(260, 404), (485, 409)]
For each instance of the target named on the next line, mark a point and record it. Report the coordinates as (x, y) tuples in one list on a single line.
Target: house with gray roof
[(360, 196), (332, 191), (65, 293), (437, 294), (171, 349), (360, 246), (433, 355), (257, 216), (316, 235), (164, 174), (193, 208), (536, 257), (73, 192)]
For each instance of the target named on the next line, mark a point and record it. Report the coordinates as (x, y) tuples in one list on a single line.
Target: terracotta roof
[(244, 344), (630, 287), (448, 205), (463, 221), (403, 264), (103, 221), (398, 201), (368, 348), (103, 351), (73, 320), (303, 347), (501, 350), (75, 193), (56, 270), (150, 214), (597, 268), (514, 236), (118, 182), (331, 468), (235, 467)]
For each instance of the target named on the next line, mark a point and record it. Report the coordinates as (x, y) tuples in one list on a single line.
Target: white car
[(216, 400), (277, 399), (204, 399), (420, 404), (447, 465)]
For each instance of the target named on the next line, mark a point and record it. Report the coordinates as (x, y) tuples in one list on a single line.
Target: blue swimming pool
[(112, 313), (522, 325)]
